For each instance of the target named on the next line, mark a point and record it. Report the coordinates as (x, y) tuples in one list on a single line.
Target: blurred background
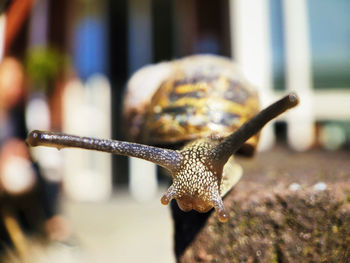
[(65, 65)]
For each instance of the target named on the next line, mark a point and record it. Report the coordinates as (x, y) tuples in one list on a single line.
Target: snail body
[(201, 102), (195, 101)]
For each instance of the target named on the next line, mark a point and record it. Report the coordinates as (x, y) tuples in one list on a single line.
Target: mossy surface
[(269, 222)]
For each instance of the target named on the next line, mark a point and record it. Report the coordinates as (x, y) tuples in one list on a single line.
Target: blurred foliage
[(43, 65)]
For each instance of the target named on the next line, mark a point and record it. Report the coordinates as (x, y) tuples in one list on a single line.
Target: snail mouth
[(187, 204)]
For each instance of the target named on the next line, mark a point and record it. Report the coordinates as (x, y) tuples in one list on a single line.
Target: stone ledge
[(285, 218)]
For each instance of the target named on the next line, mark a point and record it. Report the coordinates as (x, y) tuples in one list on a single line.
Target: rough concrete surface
[(289, 207)]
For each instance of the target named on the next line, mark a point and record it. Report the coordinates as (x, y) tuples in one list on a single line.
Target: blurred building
[(282, 45)]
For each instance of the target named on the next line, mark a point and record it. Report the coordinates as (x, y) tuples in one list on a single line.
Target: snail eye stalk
[(168, 159), (232, 143)]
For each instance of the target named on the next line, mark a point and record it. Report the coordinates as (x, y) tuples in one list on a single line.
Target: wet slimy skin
[(197, 169)]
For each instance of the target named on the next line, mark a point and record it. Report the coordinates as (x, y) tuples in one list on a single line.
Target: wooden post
[(142, 174), (250, 41), (298, 73)]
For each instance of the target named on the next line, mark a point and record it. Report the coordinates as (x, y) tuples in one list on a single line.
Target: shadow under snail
[(198, 170)]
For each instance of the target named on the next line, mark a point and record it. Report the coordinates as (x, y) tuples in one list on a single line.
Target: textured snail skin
[(196, 169), (197, 184)]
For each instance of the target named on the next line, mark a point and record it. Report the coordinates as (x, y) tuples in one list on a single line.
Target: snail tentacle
[(222, 152), (220, 210), (168, 195), (168, 159)]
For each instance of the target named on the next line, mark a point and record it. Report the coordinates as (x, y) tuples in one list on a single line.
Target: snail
[(203, 101)]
